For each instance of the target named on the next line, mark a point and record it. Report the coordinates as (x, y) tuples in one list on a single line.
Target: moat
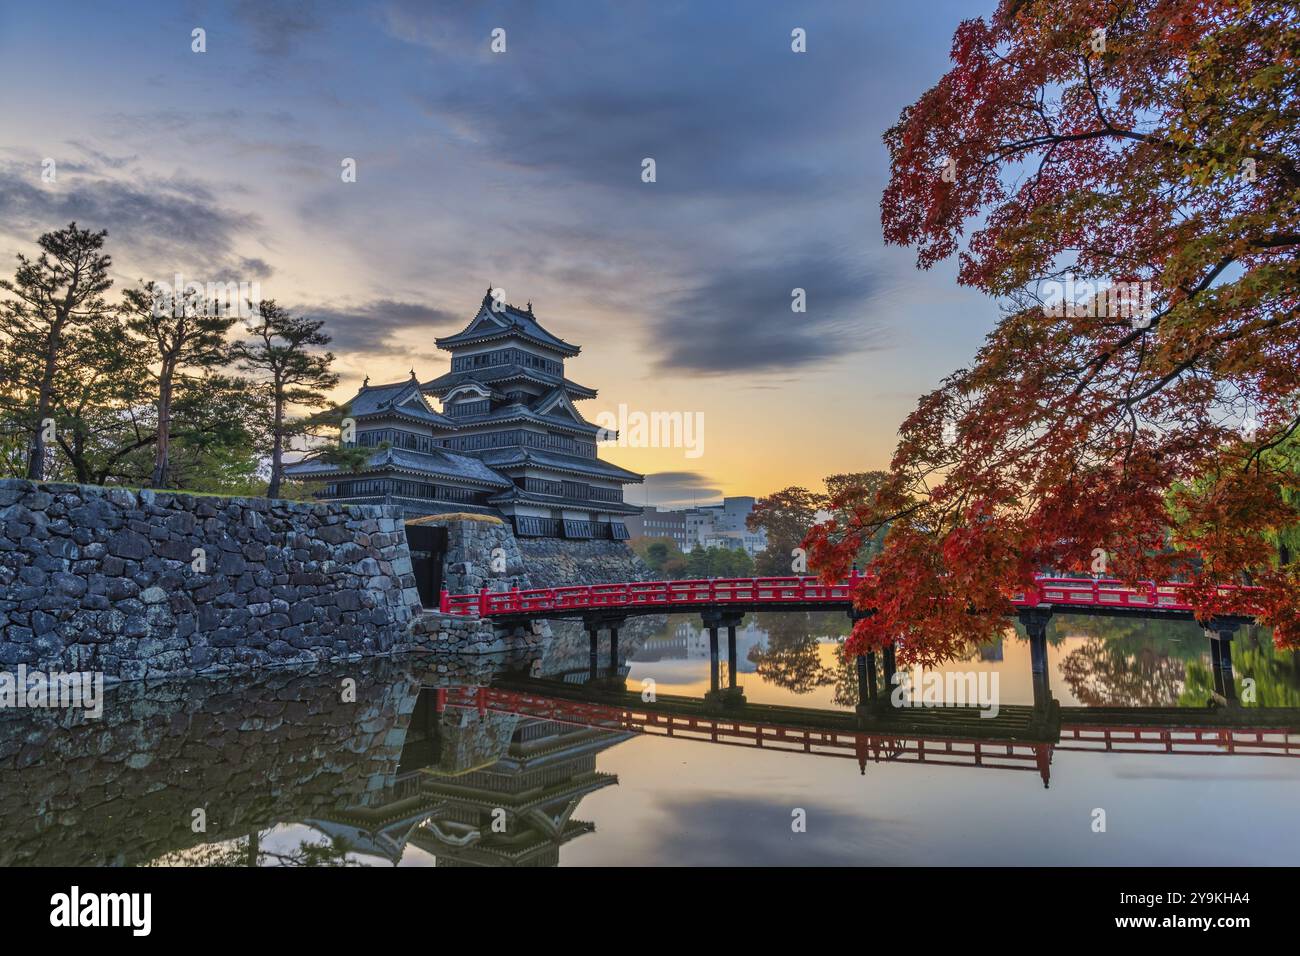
[(420, 760)]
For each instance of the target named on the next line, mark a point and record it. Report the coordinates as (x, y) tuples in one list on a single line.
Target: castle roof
[(402, 399), (518, 412), (441, 463), (517, 457), (499, 320), (518, 495), (500, 374)]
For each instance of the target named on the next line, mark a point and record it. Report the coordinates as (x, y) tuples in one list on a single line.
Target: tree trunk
[(80, 467), (277, 445), (160, 461), (36, 460)]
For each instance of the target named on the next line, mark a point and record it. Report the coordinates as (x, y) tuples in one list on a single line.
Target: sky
[(523, 170)]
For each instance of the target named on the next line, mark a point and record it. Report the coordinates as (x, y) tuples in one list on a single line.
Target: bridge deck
[(1080, 595)]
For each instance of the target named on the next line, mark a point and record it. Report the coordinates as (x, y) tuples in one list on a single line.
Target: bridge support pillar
[(1220, 632), (866, 677), (1035, 621), (732, 695), (713, 659), (731, 656), (594, 624), (866, 665), (871, 701)]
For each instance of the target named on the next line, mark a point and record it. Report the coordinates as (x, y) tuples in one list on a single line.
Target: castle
[(508, 440)]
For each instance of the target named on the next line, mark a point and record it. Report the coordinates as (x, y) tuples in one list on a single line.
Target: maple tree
[(1147, 152)]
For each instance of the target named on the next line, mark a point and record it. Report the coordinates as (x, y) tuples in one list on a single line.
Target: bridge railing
[(1110, 592), (701, 591), (1046, 591)]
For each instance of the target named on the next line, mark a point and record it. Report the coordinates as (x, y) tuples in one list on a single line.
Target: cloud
[(157, 226), (730, 830), (761, 178), (374, 327), (101, 159), (740, 319), (275, 27), (677, 489), (729, 112)]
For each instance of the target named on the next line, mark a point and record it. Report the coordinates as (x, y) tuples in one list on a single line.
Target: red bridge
[(809, 593), (722, 602)]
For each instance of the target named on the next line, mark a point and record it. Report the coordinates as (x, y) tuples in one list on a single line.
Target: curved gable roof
[(506, 321), (399, 398)]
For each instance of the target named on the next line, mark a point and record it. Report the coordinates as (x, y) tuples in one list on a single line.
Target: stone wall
[(249, 752), (482, 552), (553, 562), (138, 584)]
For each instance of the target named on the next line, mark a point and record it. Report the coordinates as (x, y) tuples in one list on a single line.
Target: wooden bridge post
[(1220, 632), (1035, 621), (613, 650), (888, 666), (594, 632), (713, 657), (731, 696), (866, 663)]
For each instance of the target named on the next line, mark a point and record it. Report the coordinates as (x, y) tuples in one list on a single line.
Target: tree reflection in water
[(1138, 662), (791, 657)]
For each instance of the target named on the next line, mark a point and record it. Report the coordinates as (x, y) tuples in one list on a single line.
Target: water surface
[(368, 764)]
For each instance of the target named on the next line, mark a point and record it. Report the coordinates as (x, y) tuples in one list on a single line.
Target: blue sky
[(523, 169)]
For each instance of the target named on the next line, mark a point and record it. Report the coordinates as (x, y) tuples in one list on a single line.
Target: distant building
[(655, 523), (711, 526), (507, 441), (747, 541), (699, 522)]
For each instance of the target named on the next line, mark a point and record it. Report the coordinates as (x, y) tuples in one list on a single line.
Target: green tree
[(786, 516), (101, 402), (51, 301), (791, 656), (216, 436), (182, 334), (291, 373)]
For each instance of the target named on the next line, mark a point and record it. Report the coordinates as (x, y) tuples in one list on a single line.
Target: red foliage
[(1163, 151)]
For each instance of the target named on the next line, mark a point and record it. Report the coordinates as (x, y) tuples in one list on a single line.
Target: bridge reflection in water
[(1016, 739), (484, 766)]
